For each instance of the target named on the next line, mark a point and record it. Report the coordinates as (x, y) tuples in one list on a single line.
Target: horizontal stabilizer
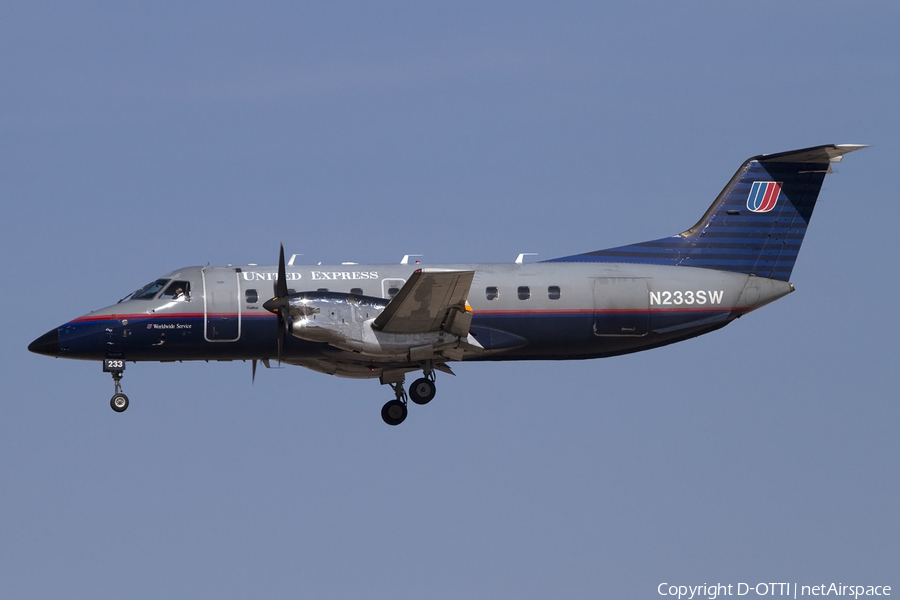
[(817, 154)]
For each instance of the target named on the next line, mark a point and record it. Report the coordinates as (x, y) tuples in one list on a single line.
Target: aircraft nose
[(47, 344)]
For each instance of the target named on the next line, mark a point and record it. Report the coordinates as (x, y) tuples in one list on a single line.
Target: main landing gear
[(421, 391), (116, 367), (394, 412)]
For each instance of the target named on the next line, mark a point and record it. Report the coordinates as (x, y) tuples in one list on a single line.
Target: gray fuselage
[(533, 311)]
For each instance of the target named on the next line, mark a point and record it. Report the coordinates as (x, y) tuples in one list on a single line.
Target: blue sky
[(135, 139)]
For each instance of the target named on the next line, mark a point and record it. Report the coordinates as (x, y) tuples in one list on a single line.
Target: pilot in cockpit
[(180, 291)]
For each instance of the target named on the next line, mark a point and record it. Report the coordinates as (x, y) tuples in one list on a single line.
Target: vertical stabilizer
[(755, 225)]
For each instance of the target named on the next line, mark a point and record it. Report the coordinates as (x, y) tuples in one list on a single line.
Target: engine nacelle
[(328, 317), (345, 322)]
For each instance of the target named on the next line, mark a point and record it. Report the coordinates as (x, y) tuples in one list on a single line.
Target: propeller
[(264, 361), (280, 304)]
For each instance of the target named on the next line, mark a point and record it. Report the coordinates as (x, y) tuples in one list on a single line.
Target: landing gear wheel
[(394, 412), (119, 402), (422, 391)]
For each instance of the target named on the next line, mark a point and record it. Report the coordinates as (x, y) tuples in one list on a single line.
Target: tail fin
[(755, 225)]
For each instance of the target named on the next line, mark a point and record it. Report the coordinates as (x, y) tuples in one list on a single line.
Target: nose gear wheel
[(119, 402)]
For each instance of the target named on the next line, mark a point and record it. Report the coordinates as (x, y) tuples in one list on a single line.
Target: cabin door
[(221, 304), (621, 306)]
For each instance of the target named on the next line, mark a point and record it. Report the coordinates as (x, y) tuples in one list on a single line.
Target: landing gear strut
[(394, 412), (116, 367)]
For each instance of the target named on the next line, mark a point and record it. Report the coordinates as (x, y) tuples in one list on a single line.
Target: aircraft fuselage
[(520, 312)]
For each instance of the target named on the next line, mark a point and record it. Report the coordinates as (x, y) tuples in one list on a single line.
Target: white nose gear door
[(221, 304)]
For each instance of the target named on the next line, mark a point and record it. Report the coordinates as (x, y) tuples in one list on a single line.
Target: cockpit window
[(178, 290), (149, 291)]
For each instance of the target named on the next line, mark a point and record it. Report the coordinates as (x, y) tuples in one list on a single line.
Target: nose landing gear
[(116, 366)]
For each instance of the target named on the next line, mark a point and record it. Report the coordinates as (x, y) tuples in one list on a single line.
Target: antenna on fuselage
[(293, 256), (523, 255), (405, 259)]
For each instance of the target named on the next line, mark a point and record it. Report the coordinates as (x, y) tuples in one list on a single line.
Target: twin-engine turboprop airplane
[(386, 321)]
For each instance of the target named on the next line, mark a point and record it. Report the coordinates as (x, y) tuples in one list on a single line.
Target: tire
[(394, 412), (422, 391), (119, 402)]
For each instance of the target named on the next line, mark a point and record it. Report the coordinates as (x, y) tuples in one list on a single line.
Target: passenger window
[(252, 296), (553, 292), (177, 290), (491, 293), (524, 292), (356, 291)]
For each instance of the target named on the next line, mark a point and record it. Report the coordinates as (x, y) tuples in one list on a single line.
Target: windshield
[(149, 291)]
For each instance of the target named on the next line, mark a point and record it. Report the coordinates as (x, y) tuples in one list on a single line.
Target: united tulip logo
[(763, 196)]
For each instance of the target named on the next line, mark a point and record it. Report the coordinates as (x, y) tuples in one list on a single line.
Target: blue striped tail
[(755, 225)]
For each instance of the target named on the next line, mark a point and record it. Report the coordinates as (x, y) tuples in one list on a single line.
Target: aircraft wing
[(430, 300)]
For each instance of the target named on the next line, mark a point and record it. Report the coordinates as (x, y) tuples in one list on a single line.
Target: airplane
[(386, 321)]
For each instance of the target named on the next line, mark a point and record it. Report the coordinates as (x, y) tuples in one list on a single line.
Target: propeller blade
[(281, 288), (253, 377), (280, 304)]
